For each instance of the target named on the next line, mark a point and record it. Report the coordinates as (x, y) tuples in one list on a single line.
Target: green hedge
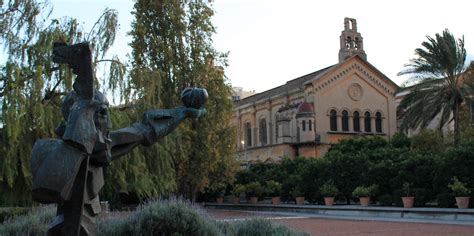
[(425, 161)]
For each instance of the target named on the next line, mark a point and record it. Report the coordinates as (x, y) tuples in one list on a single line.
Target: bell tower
[(351, 41)]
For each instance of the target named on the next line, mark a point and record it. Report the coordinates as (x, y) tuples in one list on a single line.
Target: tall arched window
[(356, 121), (367, 122), (303, 124), (345, 121), (378, 122), (263, 131), (248, 134), (310, 124), (333, 120)]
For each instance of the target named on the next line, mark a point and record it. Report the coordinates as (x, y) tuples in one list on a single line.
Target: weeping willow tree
[(172, 50), (31, 87)]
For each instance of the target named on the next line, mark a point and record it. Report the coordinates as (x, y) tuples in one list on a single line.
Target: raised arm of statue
[(155, 125)]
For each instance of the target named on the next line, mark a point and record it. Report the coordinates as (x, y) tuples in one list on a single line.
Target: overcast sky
[(273, 41)]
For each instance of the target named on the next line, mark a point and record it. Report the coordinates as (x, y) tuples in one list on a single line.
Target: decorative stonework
[(355, 91)]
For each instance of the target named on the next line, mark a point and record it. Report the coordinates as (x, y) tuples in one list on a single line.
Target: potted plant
[(364, 193), (461, 192), (407, 198), (253, 191), (218, 190), (273, 189), (329, 191), (298, 194), (238, 190)]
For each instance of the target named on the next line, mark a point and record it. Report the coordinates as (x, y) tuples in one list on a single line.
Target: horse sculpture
[(68, 170)]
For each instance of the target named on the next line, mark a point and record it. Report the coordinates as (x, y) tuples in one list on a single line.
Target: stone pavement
[(321, 226)]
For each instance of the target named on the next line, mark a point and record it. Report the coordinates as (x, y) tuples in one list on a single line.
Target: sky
[(274, 41)]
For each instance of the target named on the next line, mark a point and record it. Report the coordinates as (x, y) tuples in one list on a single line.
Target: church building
[(304, 116)]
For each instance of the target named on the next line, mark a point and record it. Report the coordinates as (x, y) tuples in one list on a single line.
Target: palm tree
[(443, 84)]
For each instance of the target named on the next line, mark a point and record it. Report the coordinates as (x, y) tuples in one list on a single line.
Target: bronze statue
[(68, 171)]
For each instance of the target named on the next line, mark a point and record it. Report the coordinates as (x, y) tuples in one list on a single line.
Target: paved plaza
[(322, 226)]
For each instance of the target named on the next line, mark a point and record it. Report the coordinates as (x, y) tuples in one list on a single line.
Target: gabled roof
[(368, 64), (283, 89), (300, 82)]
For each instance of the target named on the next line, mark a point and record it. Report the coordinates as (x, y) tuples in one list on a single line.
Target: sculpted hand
[(194, 113)]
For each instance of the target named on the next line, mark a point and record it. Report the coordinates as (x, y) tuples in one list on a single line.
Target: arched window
[(367, 122), (310, 124), (345, 121), (303, 124), (248, 134), (378, 122), (263, 131), (356, 121), (333, 120)]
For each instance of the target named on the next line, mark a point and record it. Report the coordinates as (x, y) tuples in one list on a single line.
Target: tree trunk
[(457, 136)]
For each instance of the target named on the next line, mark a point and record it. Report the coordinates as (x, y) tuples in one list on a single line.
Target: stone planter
[(299, 200), (275, 200), (253, 200), (328, 201), (408, 202), (364, 201), (219, 200), (462, 202)]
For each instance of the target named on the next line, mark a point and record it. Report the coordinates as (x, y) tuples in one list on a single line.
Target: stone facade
[(306, 115)]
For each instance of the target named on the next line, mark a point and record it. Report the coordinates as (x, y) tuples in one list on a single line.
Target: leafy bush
[(239, 189), (329, 189), (297, 192), (254, 189), (365, 191), (458, 188), (273, 188)]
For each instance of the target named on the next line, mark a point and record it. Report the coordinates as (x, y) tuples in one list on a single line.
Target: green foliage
[(458, 161), (406, 189), (440, 89), (365, 191), (254, 189), (272, 188), (172, 50), (400, 140), (217, 189), (11, 213), (34, 223), (329, 189), (428, 140), (30, 91), (459, 188), (238, 189)]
